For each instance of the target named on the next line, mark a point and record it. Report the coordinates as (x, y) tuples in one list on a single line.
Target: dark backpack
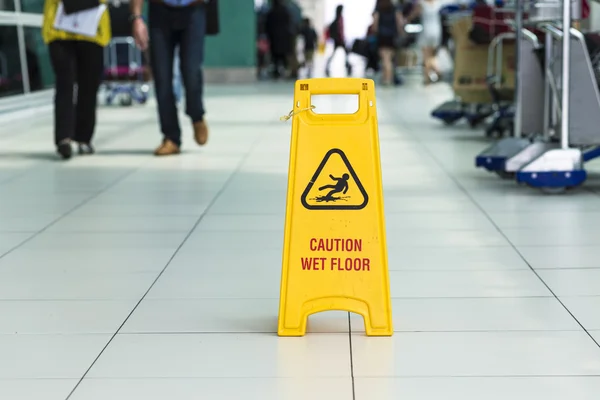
[(334, 31), (387, 24)]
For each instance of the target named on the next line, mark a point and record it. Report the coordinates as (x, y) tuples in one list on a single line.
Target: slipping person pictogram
[(328, 192), (340, 186)]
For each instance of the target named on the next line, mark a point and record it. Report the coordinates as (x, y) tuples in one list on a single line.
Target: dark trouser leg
[(89, 73), (192, 57), (162, 51), (62, 56)]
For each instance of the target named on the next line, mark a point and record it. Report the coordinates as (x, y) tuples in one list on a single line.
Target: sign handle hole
[(335, 103)]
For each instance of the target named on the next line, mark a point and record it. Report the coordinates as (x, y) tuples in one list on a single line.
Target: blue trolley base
[(553, 179)]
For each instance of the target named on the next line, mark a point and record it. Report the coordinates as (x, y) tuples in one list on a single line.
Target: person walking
[(387, 24), (77, 61), (278, 30), (335, 32), (309, 36), (431, 36), (172, 24)]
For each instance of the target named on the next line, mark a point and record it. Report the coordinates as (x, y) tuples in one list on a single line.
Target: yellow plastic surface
[(335, 255)]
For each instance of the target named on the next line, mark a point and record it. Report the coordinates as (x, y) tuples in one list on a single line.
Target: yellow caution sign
[(335, 255)]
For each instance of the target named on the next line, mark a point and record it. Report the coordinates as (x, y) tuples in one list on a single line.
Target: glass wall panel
[(11, 81), (41, 75), (7, 5), (32, 6)]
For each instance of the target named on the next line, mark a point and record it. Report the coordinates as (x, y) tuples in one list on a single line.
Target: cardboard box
[(471, 66)]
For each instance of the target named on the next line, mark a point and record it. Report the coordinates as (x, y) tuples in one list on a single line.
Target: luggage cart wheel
[(553, 190), (450, 121), (126, 101), (505, 174)]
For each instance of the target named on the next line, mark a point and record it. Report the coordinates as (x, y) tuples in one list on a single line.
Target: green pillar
[(230, 56)]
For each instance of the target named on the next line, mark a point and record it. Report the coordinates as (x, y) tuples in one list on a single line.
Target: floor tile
[(63, 317), (26, 223), (199, 284), (496, 388), (102, 259), (28, 389), (442, 284), (216, 389), (573, 236), (236, 240), (203, 259), (74, 286), (546, 219), (222, 316), (8, 241), (48, 356), (483, 314), (454, 258), (140, 224), (572, 282), (548, 257), (476, 354), (238, 222), (439, 238), (86, 240), (439, 221), (585, 309), (224, 356)]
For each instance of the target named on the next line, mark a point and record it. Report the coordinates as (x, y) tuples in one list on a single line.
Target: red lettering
[(329, 245), (306, 263), (366, 264)]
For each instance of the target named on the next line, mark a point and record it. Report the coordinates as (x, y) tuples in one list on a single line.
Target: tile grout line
[(74, 208), (168, 263), (351, 357), (43, 163), (466, 192)]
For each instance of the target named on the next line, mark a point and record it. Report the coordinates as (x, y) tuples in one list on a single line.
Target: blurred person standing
[(277, 26), (431, 36), (309, 36), (77, 60), (335, 32), (295, 30), (387, 26), (182, 25)]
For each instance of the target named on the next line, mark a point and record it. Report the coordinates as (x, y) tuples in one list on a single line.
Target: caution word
[(335, 263), (335, 255)]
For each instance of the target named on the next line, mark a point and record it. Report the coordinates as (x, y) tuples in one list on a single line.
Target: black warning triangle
[(334, 194)]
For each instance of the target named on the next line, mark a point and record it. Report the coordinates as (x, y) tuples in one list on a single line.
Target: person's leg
[(90, 61), (191, 53), (177, 85), (330, 59), (162, 51), (310, 55), (62, 57), (426, 64), (386, 61)]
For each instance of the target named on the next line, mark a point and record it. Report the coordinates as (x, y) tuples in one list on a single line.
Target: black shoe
[(85, 148), (65, 150)]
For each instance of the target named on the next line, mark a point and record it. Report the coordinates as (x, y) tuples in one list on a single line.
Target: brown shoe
[(167, 148), (200, 132)]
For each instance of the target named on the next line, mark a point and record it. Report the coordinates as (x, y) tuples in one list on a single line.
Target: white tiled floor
[(126, 277)]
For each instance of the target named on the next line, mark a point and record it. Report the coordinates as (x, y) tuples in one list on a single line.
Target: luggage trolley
[(477, 97), (527, 110), (124, 73), (453, 110)]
